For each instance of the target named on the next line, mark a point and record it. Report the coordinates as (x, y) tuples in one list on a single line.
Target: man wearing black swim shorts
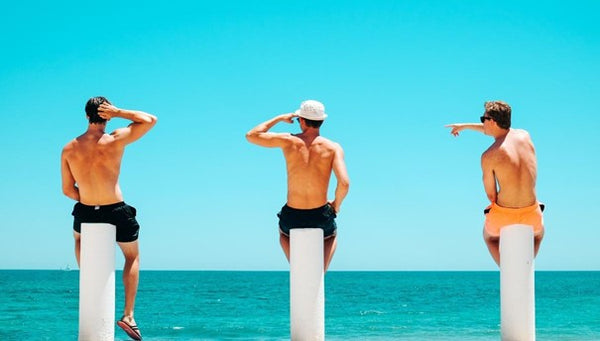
[(321, 217), (90, 167), (120, 214), (310, 159)]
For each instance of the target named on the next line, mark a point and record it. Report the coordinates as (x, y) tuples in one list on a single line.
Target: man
[(90, 167), (310, 158), (511, 163)]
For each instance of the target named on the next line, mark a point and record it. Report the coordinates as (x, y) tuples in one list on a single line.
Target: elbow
[(345, 184), (152, 119), (68, 192), (71, 192), (250, 136), (145, 119)]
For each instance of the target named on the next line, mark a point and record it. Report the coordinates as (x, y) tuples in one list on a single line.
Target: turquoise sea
[(238, 305)]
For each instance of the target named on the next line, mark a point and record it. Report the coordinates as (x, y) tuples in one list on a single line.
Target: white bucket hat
[(312, 110)]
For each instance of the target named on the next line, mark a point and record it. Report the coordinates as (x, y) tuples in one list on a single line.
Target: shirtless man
[(511, 163), (310, 158), (90, 167)]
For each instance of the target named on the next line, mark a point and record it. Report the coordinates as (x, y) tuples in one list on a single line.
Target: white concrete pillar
[(307, 291), (517, 283), (97, 282)]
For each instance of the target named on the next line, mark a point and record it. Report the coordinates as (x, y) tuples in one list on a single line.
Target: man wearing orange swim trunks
[(511, 163)]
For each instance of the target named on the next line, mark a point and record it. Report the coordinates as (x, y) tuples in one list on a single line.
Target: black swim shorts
[(120, 214), (322, 217)]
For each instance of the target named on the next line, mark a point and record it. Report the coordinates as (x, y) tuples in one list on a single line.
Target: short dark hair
[(91, 109), (312, 123), (500, 112)]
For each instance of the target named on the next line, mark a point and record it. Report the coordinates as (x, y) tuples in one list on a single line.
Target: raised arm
[(141, 122), (260, 135), (68, 181), (458, 127), (343, 181)]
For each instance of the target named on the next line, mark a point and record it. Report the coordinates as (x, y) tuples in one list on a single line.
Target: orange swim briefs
[(497, 217)]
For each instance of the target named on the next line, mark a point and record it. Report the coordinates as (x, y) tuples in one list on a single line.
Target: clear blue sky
[(390, 73)]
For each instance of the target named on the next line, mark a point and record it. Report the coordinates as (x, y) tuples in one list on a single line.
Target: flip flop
[(131, 330)]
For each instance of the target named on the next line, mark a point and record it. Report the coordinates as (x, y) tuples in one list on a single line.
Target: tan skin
[(90, 167), (509, 172), (310, 160)]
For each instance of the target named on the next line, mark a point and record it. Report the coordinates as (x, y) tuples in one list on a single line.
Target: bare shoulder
[(284, 141), (520, 138), (490, 152), (69, 147), (116, 138), (286, 137), (329, 143), (493, 154), (521, 133), (69, 151), (119, 131), (489, 159), (338, 149)]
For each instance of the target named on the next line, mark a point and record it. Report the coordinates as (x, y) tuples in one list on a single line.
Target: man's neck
[(97, 128), (311, 132), (501, 134)]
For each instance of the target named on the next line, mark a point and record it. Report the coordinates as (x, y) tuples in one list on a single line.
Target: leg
[(77, 237), (131, 272), (493, 244), (285, 245), (537, 240), (329, 246)]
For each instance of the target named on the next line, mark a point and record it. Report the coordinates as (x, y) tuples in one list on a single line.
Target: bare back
[(309, 162), (95, 164), (513, 162)]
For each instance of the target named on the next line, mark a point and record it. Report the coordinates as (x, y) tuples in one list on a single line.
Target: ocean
[(248, 305)]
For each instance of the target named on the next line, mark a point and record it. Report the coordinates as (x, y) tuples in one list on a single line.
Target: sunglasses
[(485, 118)]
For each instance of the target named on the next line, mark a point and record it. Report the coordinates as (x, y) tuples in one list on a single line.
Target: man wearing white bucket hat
[(310, 159)]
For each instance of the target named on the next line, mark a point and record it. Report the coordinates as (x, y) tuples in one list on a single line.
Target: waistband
[(533, 207), (101, 207), (305, 210)]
